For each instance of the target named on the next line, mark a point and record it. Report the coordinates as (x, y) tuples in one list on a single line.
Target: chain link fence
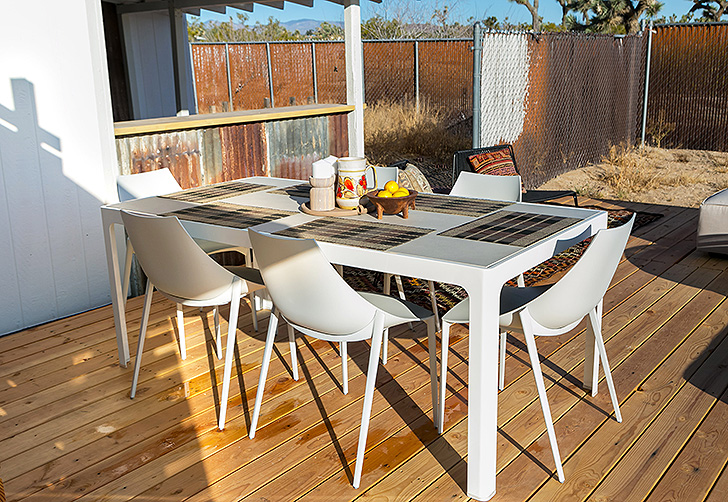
[(688, 89), (562, 99)]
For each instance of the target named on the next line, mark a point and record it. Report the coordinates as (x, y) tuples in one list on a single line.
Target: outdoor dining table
[(474, 243)]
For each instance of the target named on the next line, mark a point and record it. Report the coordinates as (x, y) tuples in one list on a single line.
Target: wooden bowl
[(392, 205)]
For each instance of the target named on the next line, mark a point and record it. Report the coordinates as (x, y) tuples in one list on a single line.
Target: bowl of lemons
[(393, 199)]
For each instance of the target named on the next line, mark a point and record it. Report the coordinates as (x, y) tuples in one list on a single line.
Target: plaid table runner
[(229, 215), (364, 234), (216, 192), (463, 206), (509, 227), (302, 191)]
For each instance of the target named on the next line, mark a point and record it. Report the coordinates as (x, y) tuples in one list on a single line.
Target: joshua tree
[(711, 12), (611, 16), (533, 9)]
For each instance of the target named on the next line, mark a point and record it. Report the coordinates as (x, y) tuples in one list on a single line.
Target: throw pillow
[(495, 163)]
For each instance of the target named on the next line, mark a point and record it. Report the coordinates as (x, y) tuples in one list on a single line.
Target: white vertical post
[(179, 36), (354, 76)]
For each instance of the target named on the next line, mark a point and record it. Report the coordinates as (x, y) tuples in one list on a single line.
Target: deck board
[(68, 430)]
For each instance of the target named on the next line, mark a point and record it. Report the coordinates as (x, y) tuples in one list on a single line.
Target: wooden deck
[(68, 430)]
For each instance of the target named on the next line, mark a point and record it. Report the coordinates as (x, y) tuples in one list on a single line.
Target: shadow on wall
[(49, 250), (53, 262)]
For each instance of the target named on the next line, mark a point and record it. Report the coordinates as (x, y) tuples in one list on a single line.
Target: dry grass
[(393, 131), (654, 175)]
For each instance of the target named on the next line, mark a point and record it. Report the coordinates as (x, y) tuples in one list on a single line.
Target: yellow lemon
[(402, 192), (384, 193), (391, 186)]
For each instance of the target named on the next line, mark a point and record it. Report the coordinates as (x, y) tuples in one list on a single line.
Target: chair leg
[(433, 302), (127, 269), (445, 348), (181, 331), (368, 396), (218, 331), (252, 297), (270, 338), (595, 321), (343, 349), (538, 376), (385, 346), (232, 330), (432, 347), (502, 361), (294, 354), (387, 284), (142, 335), (520, 281), (400, 288)]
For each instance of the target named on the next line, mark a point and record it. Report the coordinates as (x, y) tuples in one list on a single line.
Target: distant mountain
[(303, 25)]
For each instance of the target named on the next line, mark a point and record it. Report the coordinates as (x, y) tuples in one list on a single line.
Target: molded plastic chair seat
[(182, 272), (461, 163), (314, 299), (153, 184), (554, 310)]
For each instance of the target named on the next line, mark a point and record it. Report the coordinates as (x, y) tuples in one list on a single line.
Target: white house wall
[(57, 160), (149, 58)]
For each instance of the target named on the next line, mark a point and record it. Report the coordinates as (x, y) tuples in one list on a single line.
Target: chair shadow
[(319, 404), (402, 404)]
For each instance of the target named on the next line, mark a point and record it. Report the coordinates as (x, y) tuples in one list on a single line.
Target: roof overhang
[(195, 6)]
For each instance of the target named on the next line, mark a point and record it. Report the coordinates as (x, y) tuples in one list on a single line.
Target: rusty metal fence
[(562, 99), (243, 76), (687, 105)]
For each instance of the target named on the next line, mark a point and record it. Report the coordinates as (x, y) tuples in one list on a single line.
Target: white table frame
[(483, 284)]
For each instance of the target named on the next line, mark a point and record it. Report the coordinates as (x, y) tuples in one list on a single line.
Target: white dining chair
[(486, 186), (179, 269), (153, 184), (554, 310), (313, 299)]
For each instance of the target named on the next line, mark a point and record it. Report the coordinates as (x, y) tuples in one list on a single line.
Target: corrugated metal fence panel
[(210, 77), (688, 94), (339, 135), (446, 75), (243, 150), (294, 145), (389, 72), (331, 72), (292, 65), (178, 151), (248, 76), (583, 94)]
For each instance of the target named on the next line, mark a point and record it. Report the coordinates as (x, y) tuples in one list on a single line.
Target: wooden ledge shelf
[(166, 124)]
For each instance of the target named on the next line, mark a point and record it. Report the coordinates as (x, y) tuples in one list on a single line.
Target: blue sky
[(461, 10)]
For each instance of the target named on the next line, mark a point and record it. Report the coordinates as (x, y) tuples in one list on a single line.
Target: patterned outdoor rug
[(449, 295)]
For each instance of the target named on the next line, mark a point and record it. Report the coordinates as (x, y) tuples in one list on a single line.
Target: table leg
[(117, 295), (483, 390)]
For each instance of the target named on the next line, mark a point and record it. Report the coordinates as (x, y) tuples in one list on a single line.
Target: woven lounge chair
[(462, 162)]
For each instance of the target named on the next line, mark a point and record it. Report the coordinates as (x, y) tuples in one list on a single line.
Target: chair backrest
[(149, 184), (172, 260), (485, 186), (583, 287), (461, 162), (306, 289)]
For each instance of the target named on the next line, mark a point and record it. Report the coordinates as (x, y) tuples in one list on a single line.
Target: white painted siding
[(57, 161)]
